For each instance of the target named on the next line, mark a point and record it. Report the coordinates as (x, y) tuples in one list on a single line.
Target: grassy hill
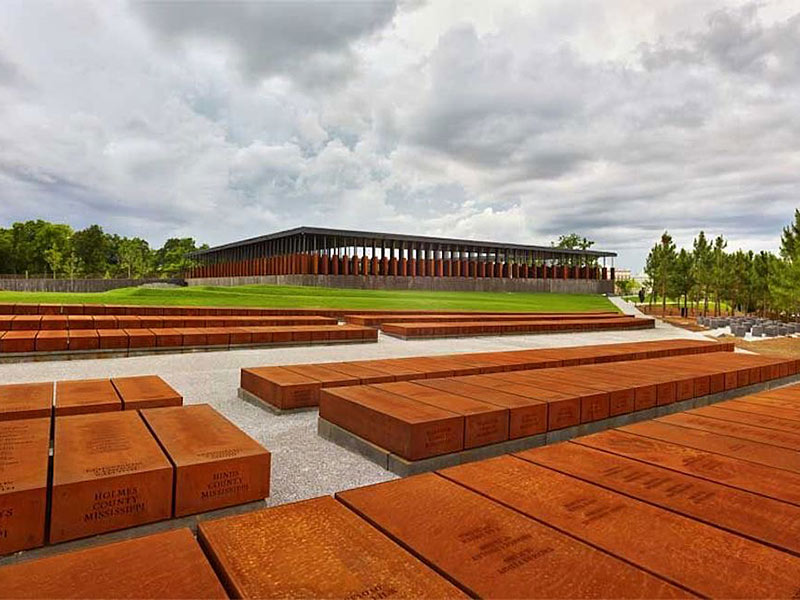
[(312, 297)]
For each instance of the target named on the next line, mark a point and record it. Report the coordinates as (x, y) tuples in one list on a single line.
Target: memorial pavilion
[(339, 252)]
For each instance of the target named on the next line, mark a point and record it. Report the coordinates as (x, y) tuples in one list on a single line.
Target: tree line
[(56, 250), (709, 276)]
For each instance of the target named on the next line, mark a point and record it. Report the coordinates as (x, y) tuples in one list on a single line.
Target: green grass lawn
[(312, 297)]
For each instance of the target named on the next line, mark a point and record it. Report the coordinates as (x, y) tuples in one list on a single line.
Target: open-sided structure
[(335, 252)]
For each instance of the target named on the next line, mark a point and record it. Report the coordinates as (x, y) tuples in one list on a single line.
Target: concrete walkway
[(304, 465), (626, 307)]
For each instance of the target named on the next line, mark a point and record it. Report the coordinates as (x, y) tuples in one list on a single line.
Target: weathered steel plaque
[(315, 549), (216, 463), (108, 473)]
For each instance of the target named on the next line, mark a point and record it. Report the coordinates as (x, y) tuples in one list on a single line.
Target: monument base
[(18, 357), (251, 398)]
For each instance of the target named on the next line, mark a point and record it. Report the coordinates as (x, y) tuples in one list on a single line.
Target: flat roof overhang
[(397, 237)]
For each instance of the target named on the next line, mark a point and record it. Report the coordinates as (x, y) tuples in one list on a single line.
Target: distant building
[(342, 258), (623, 274)]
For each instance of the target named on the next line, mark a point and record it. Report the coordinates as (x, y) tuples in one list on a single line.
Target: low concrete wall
[(76, 285), (442, 284)]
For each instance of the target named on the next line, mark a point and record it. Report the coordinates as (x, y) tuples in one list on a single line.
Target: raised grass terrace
[(269, 296)]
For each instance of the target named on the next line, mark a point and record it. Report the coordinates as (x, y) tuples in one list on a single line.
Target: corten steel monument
[(349, 258)]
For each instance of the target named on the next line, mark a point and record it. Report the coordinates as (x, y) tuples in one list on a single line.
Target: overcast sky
[(512, 121)]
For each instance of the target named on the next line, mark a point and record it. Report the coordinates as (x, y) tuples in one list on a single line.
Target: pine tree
[(786, 287), (701, 252), (790, 238), (718, 272), (683, 276), (660, 268)]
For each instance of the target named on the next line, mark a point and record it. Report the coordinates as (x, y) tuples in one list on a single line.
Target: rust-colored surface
[(688, 553), (162, 565), (326, 377), (563, 410), (51, 322), (259, 335), (648, 393), (301, 334), (789, 412), (483, 423), (280, 335), (24, 449), (492, 551), (315, 549), (26, 309), (375, 320), (743, 431), (406, 427), (429, 367), (219, 336), (129, 322), (281, 387), (739, 413), (417, 329), (105, 322), (621, 391), (216, 463), (239, 336), (693, 375), (150, 322), (108, 473), (112, 339), (364, 374), (83, 339), (760, 479), (403, 369), (399, 371), (26, 400), (791, 393), (776, 399), (452, 364), (167, 337), (497, 362), (26, 322), (140, 338), (193, 336), (594, 402), (80, 322), (146, 391), (650, 389), (751, 515), (688, 382), (18, 341), (756, 452), (709, 376), (52, 341), (702, 375), (526, 416), (86, 396)]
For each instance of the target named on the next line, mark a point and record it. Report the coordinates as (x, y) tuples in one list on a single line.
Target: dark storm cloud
[(736, 41), (291, 36)]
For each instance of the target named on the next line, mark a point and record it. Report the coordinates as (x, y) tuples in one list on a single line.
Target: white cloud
[(502, 120)]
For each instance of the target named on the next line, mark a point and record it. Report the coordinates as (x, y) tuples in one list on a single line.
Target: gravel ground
[(303, 464)]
